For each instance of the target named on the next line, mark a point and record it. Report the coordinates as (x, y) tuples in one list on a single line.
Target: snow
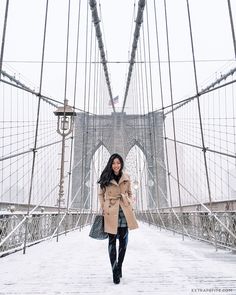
[(156, 262)]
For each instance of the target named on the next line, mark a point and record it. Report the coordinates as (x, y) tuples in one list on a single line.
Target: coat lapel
[(114, 182), (123, 178)]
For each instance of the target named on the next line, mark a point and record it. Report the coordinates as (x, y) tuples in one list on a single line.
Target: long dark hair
[(107, 174)]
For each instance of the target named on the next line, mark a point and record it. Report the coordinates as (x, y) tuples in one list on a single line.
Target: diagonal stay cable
[(18, 84)]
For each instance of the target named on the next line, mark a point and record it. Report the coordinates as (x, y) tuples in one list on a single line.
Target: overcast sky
[(211, 29)]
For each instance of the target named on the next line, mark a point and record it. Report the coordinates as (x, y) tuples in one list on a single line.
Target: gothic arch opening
[(136, 166), (98, 162)]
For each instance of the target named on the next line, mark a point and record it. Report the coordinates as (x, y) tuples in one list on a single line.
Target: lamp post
[(65, 118)]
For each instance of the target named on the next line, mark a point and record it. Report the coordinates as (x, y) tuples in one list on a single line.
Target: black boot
[(120, 271), (119, 268), (123, 240), (116, 275)]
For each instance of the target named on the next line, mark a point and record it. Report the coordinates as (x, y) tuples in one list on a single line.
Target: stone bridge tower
[(119, 132)]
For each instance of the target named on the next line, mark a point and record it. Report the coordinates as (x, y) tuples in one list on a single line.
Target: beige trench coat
[(111, 198)]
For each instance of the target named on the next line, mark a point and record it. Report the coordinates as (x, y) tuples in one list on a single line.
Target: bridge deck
[(156, 263)]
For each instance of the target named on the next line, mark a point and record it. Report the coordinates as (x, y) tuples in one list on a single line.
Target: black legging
[(122, 235)]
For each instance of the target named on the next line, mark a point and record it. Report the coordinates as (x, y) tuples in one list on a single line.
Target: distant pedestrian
[(116, 202)]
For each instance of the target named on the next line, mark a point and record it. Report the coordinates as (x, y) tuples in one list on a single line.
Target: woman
[(116, 202)]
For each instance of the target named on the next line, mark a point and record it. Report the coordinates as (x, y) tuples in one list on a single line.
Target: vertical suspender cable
[(145, 73), (152, 115), (34, 150), (75, 93), (155, 170), (199, 108), (1, 64), (94, 132), (200, 116), (89, 75), (84, 109), (88, 118), (140, 123), (147, 120), (162, 104), (173, 117), (63, 129), (144, 117)]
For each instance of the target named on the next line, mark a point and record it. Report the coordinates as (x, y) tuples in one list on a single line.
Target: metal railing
[(40, 227), (217, 228)]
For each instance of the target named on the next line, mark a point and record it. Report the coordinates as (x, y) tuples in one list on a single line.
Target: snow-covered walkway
[(157, 262)]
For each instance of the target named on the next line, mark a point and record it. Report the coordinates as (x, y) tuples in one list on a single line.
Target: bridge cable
[(142, 93), (232, 26), (94, 124), (140, 119), (152, 115), (74, 100), (152, 128), (86, 131), (131, 30), (139, 21), (102, 24), (4, 36), (130, 39), (145, 123), (200, 119), (173, 117), (198, 104), (210, 88), (96, 21), (85, 119), (162, 104), (150, 158), (34, 150), (61, 186), (18, 84)]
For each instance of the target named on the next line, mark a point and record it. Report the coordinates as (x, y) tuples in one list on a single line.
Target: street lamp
[(65, 118)]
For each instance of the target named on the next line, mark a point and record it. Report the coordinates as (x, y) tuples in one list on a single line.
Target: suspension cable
[(139, 21), (34, 150), (232, 26), (200, 119), (173, 117), (162, 104), (153, 118), (4, 36), (75, 92), (199, 108), (96, 21)]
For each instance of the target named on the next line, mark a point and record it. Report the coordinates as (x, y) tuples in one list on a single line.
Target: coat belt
[(122, 197)]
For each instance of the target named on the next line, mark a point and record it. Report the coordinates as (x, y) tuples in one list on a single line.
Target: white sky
[(211, 29)]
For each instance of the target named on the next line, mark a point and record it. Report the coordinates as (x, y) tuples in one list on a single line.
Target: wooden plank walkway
[(157, 262)]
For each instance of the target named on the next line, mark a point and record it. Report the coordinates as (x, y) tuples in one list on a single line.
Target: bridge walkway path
[(157, 262)]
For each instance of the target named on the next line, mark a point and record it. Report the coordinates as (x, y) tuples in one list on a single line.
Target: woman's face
[(116, 166)]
